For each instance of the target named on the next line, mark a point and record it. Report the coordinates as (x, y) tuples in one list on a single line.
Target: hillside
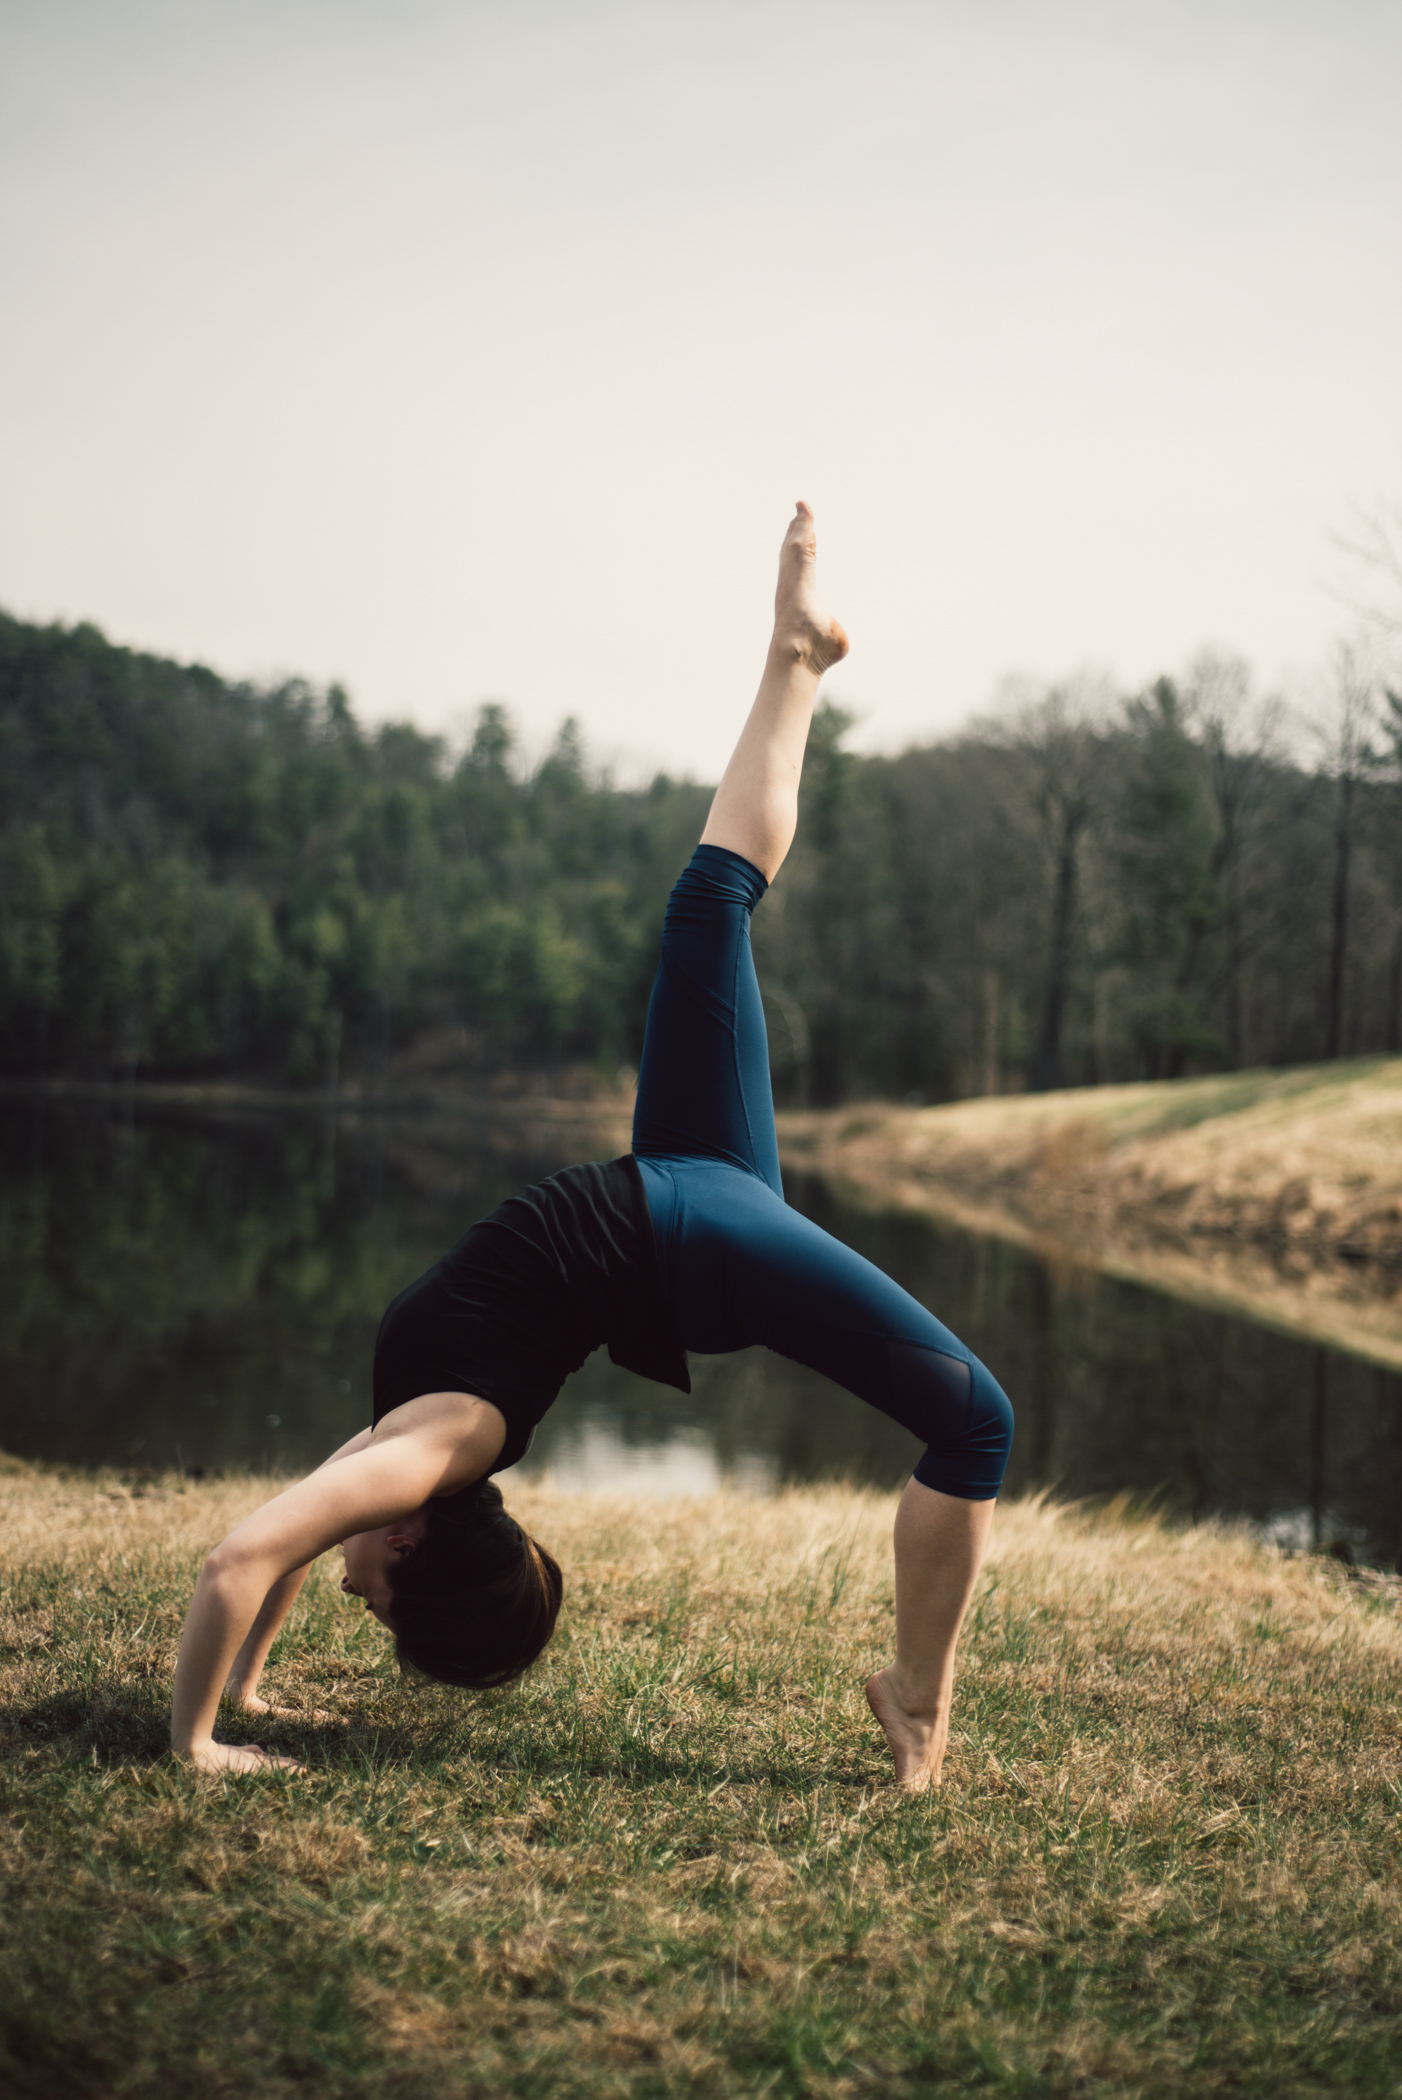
[(1280, 1192)]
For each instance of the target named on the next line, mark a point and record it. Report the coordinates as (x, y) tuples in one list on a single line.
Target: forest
[(208, 880)]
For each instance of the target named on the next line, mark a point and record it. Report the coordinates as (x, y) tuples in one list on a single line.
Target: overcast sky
[(461, 351)]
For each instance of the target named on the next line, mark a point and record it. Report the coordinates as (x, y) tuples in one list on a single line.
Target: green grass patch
[(1165, 1861), (1157, 1108), (1295, 1099)]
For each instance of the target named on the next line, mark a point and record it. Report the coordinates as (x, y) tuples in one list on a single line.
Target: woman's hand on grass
[(237, 1757)]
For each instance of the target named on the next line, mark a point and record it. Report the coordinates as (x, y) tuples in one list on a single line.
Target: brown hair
[(477, 1599)]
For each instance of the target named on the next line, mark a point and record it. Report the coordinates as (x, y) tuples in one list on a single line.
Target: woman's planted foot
[(917, 1739), (802, 630)]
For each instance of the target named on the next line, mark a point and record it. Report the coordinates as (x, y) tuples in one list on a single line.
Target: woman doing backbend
[(686, 1243)]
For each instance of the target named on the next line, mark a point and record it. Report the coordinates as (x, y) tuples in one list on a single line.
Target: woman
[(685, 1244)]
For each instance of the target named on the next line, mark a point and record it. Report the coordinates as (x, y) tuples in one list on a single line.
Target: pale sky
[(461, 351)]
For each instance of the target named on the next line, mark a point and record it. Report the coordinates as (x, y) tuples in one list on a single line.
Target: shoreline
[(425, 1097), (1276, 1196)]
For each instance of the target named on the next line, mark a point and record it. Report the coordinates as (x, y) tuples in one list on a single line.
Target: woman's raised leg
[(703, 1080), (755, 811)]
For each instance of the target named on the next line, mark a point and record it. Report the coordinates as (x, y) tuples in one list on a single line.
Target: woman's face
[(370, 1558)]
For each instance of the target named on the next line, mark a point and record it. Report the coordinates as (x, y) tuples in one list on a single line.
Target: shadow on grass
[(115, 1722), (376, 1749), (39, 2058)]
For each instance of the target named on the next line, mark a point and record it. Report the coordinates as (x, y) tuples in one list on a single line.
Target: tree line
[(204, 879)]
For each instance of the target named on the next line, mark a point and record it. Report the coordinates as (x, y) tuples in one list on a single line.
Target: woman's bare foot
[(802, 630), (253, 1704), (917, 1740)]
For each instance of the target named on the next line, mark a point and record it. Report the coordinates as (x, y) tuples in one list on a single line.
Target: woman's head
[(475, 1601)]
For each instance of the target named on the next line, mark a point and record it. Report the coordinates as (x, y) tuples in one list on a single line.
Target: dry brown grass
[(1166, 1860), (1276, 1192)]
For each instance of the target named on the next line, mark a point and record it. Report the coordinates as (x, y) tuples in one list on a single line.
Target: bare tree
[(1392, 732), (1374, 547), (1061, 735), (1240, 734), (1348, 758)]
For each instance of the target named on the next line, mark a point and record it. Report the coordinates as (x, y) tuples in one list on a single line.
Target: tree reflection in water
[(203, 1289)]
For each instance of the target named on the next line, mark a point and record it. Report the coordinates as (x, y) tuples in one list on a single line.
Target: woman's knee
[(972, 1462)]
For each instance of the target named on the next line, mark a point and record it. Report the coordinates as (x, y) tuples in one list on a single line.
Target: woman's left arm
[(241, 1685)]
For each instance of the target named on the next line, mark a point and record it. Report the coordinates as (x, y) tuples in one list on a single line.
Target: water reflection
[(589, 1455), (204, 1290)]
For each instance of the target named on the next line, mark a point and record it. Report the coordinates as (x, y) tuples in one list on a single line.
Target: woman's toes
[(913, 1740), (800, 624)]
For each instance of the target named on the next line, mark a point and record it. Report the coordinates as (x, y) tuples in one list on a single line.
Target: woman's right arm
[(428, 1447), (247, 1667)]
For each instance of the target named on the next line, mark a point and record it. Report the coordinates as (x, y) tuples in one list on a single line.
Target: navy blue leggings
[(738, 1265)]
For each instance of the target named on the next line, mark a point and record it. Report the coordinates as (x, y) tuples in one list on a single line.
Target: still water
[(203, 1290)]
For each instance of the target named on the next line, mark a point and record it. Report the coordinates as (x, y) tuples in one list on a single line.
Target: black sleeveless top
[(527, 1294)]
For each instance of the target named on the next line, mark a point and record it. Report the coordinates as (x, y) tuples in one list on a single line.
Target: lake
[(185, 1287)]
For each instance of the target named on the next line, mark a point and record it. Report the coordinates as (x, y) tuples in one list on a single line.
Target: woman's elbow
[(229, 1570)]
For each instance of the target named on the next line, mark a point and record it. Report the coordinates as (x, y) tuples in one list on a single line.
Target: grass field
[(1166, 1860)]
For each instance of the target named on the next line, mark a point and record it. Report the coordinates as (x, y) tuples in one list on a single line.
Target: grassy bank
[(1166, 1860), (1277, 1193)]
